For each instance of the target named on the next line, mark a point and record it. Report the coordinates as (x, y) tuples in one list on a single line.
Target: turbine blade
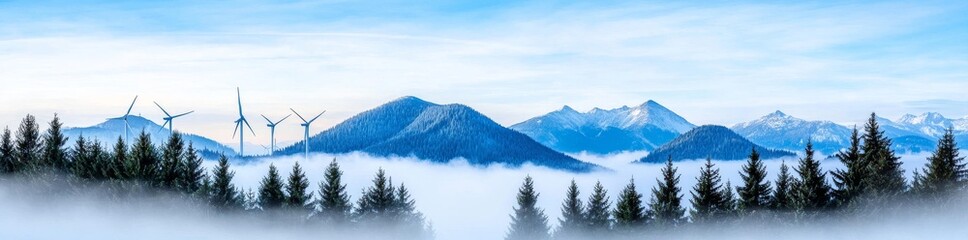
[(283, 119), (163, 126), (236, 129), (183, 114), (239, 95), (267, 119), (250, 126), (297, 114), (162, 109), (132, 105), (317, 116)]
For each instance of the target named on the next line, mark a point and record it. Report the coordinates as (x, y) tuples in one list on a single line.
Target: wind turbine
[(272, 132), (238, 125), (125, 118), (305, 124), (169, 118)]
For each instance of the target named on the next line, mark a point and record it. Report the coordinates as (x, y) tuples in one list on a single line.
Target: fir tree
[(782, 199), (271, 196), (572, 221), (28, 144), (192, 173), (944, 170), (99, 160), (82, 165), (377, 201), (334, 202), (8, 159), (850, 181), (172, 157), (754, 194), (728, 208), (223, 194), (886, 176), (812, 193), (409, 222), (119, 163), (297, 197), (629, 210), (707, 195), (143, 162), (55, 156), (598, 213), (666, 204), (529, 221)]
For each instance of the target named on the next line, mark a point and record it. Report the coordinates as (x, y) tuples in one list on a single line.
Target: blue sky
[(716, 62)]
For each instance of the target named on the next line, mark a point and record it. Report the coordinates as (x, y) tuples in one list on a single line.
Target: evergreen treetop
[(528, 221)]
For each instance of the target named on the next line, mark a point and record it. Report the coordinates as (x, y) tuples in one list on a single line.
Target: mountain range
[(108, 132), (710, 141), (413, 127), (644, 127)]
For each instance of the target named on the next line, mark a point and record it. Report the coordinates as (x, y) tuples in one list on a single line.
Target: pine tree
[(28, 144), (598, 212), (377, 201), (572, 221), (409, 222), (886, 176), (143, 162), (223, 194), (782, 199), (334, 202), (629, 210), (271, 196), (529, 221), (944, 170), (8, 159), (728, 208), (55, 156), (192, 173), (172, 157), (850, 181), (119, 163), (812, 193), (99, 160), (666, 203), (82, 165), (754, 194), (297, 195), (707, 195)]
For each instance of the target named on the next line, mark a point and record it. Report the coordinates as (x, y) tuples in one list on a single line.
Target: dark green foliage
[(708, 201), (408, 222), (172, 156), (271, 196), (886, 176), (118, 167), (729, 202), (377, 201), (191, 172), (54, 154), (143, 161), (28, 145), (297, 195), (666, 204), (811, 192), (598, 213), (82, 165), (850, 181), (944, 171), (8, 159), (629, 210), (528, 221), (754, 194), (572, 221), (223, 194), (782, 199), (334, 203)]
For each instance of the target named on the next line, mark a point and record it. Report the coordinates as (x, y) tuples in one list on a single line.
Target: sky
[(713, 62)]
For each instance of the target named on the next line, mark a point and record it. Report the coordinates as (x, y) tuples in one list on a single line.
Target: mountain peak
[(567, 108), (931, 118), (777, 114), (709, 141)]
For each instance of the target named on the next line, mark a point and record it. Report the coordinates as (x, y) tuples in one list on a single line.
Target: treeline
[(175, 168), (870, 184)]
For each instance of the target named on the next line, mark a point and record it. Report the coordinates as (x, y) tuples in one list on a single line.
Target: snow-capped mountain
[(410, 126), (109, 131), (921, 132), (781, 131), (710, 141), (643, 127)]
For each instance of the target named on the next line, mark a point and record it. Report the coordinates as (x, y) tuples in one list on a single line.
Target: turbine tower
[(125, 118), (239, 125), (305, 124), (272, 132), (169, 118)]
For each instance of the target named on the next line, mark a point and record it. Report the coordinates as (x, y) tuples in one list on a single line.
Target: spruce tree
[(119, 161), (707, 195), (409, 222), (271, 196), (143, 161), (944, 170), (728, 208), (334, 202), (99, 160), (223, 194), (377, 201), (572, 222), (812, 193), (172, 158), (8, 159), (629, 209), (754, 194), (598, 213), (528, 221), (297, 195), (886, 177), (666, 204), (55, 155), (850, 181), (192, 173), (82, 165), (28, 144), (782, 199)]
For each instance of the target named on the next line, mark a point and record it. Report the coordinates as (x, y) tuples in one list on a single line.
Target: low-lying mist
[(460, 200)]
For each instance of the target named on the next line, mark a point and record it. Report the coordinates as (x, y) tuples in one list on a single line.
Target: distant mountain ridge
[(710, 141), (108, 132), (410, 126), (643, 127)]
